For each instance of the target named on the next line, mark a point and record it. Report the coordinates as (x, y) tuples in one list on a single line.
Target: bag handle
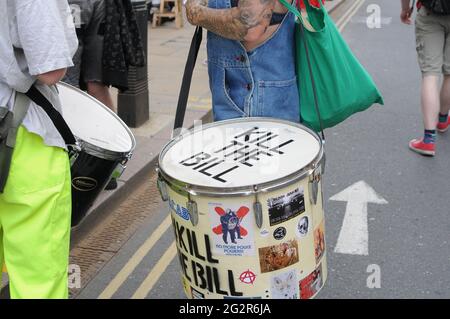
[(295, 11), (298, 14), (187, 78)]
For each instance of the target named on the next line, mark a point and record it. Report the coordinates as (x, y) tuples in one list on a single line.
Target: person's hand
[(405, 16)]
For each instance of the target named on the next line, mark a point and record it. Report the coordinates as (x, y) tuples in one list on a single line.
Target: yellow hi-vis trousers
[(35, 211)]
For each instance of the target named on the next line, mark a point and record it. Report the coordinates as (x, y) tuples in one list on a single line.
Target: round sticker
[(279, 233), (303, 226), (264, 233)]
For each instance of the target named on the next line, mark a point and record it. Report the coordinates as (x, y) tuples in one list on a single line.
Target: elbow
[(191, 14), (52, 77)]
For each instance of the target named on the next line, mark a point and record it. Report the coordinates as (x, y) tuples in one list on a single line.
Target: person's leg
[(430, 42), (101, 93), (92, 60), (430, 101), (445, 95), (444, 119), (36, 223), (1, 248)]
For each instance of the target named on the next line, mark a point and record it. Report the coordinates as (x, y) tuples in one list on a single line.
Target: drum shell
[(90, 175), (264, 264)]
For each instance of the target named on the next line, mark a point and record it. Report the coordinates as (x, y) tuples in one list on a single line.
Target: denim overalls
[(261, 82)]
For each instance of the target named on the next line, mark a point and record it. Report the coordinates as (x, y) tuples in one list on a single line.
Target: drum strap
[(38, 98), (187, 78), (11, 124)]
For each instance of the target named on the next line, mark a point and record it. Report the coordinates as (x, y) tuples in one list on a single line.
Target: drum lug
[(74, 152), (193, 212), (73, 157), (314, 185), (162, 187), (257, 209), (118, 171)]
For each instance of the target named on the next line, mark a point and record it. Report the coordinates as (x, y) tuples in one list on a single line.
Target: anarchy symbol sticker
[(247, 277)]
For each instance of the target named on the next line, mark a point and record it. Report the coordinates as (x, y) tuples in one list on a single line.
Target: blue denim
[(261, 82)]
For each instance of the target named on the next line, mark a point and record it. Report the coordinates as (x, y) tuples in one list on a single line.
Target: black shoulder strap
[(38, 98), (187, 78)]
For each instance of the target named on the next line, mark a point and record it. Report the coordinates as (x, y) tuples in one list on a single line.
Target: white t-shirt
[(36, 36)]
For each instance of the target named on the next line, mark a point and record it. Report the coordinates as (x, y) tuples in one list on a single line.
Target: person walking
[(432, 26), (37, 43)]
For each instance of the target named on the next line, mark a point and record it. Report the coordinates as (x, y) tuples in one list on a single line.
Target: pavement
[(370, 170)]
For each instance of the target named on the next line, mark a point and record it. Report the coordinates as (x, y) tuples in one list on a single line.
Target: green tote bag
[(342, 85)]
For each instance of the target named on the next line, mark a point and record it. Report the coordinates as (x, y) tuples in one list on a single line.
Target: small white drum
[(106, 146), (245, 198)]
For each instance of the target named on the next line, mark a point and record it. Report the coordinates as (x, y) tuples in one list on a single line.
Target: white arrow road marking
[(354, 235)]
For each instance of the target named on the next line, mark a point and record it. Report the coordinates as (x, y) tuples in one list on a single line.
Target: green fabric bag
[(343, 86)]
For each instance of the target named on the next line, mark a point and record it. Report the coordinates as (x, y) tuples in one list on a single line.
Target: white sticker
[(264, 233), (284, 285), (303, 226)]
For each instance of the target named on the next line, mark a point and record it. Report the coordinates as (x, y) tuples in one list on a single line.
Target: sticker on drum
[(286, 206), (303, 227), (284, 285), (233, 230), (319, 241), (311, 284)]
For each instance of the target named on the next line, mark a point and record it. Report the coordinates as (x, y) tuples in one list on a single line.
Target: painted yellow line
[(155, 274), (126, 271), (347, 13), (342, 23)]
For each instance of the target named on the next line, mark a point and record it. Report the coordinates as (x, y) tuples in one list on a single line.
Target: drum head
[(240, 153), (93, 122)]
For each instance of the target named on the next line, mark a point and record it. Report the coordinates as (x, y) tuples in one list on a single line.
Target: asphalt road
[(408, 238)]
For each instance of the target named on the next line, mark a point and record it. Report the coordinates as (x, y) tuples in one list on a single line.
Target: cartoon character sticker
[(232, 230), (284, 285)]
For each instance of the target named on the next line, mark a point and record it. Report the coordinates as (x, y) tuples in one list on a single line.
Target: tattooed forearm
[(233, 23)]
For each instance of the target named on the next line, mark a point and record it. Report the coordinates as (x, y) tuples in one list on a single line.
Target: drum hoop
[(102, 153), (197, 190), (97, 150)]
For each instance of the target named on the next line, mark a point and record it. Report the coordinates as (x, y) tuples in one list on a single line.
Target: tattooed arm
[(246, 22)]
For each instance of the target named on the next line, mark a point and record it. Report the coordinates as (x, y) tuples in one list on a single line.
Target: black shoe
[(111, 185)]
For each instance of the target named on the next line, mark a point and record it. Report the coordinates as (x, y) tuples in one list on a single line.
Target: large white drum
[(246, 204), (106, 145)]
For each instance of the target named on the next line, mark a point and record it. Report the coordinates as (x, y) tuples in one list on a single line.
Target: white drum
[(106, 145), (246, 204)]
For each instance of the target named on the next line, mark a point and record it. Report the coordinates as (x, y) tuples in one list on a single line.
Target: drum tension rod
[(257, 208)]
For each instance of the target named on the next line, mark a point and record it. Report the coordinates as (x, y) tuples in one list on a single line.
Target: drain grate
[(106, 239)]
